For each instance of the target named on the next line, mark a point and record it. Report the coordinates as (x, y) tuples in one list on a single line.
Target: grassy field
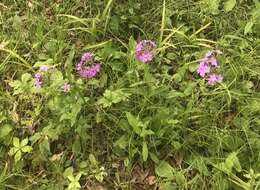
[(83, 108)]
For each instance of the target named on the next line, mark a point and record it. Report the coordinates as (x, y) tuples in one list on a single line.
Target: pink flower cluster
[(38, 80), (206, 65), (144, 51), (90, 71)]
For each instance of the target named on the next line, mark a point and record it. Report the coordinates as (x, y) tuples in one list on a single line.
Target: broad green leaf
[(145, 132), (16, 142), (213, 6), (5, 130), (24, 142), (27, 149), (122, 142), (180, 179), (13, 150), (25, 77), (167, 186), (56, 78), (78, 176), (164, 170), (229, 5), (193, 67), (232, 161), (113, 97), (71, 178), (68, 172), (43, 63), (135, 123), (17, 156), (145, 151), (93, 160), (74, 185)]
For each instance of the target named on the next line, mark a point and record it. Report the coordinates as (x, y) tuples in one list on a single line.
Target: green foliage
[(19, 148), (135, 125)]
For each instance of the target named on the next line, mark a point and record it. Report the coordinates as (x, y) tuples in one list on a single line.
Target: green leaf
[(25, 77), (56, 78), (5, 130), (180, 179), (68, 172), (44, 147), (213, 6), (135, 123), (17, 156), (193, 67), (122, 142), (233, 161), (13, 150), (76, 147), (71, 178), (248, 27), (27, 149), (16, 142), (43, 63), (229, 5), (164, 170), (93, 160), (113, 97), (167, 186), (24, 142), (145, 151)]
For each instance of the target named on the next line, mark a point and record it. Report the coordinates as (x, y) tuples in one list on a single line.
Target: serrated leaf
[(229, 5), (145, 151)]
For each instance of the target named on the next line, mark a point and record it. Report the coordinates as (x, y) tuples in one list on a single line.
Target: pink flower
[(88, 72), (219, 78), (208, 54), (203, 68), (213, 61), (144, 51), (38, 80), (218, 52), (66, 87), (213, 79)]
